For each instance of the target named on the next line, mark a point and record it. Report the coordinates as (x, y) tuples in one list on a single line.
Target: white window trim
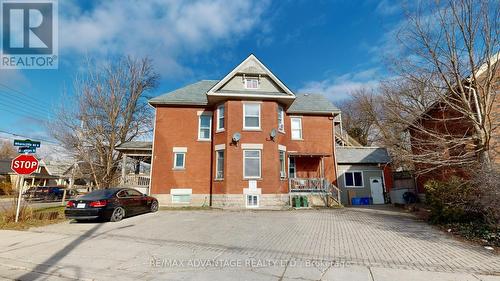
[(354, 186), (260, 164), (199, 127), (301, 128), (252, 206), (219, 129), (251, 78), (220, 146), (260, 117), (217, 164), (252, 146), (175, 167), (179, 149), (282, 130)]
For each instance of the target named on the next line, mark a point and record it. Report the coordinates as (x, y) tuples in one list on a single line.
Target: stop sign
[(24, 164)]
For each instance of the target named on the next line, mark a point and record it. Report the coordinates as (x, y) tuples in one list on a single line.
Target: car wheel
[(118, 214), (154, 206)]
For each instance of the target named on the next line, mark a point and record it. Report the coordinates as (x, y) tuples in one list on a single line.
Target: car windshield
[(98, 194)]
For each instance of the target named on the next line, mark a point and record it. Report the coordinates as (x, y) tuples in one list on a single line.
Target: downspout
[(212, 150)]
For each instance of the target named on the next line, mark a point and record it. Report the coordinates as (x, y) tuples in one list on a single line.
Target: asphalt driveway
[(341, 244)]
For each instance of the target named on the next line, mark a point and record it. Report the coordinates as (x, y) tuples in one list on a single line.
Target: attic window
[(251, 83)]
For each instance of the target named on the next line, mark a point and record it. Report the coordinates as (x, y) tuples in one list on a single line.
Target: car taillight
[(70, 204), (97, 204)]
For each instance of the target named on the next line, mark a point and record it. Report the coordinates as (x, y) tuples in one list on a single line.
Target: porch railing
[(314, 185), (136, 180), (308, 185)]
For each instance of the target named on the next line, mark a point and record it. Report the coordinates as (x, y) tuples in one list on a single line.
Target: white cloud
[(13, 77), (167, 31), (339, 87), (389, 7)]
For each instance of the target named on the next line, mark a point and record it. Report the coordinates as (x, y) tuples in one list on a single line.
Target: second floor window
[(251, 116), (220, 118), (296, 128), (205, 127), (281, 119)]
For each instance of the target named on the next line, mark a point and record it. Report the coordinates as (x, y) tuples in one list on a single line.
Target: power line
[(18, 104), (23, 112), (22, 93), (31, 138)]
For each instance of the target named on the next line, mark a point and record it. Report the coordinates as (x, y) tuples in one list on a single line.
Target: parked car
[(112, 204), (48, 193)]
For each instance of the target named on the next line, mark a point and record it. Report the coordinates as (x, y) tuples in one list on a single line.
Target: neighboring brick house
[(441, 118), (244, 140)]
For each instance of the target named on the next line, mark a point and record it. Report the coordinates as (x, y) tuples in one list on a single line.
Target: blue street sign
[(26, 149), (27, 143)]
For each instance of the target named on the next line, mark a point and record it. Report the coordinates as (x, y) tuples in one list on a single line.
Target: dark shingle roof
[(362, 155), (312, 103), (135, 145), (193, 94)]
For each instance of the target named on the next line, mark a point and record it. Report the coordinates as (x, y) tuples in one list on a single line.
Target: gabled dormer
[(251, 79)]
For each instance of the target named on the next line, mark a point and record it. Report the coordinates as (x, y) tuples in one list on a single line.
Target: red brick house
[(444, 120), (248, 141), (243, 141)]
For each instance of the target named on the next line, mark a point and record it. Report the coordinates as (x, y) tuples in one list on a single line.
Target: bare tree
[(359, 115), (451, 50), (7, 150), (109, 109)]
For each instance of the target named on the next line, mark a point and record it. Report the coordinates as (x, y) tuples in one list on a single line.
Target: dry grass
[(29, 217), (6, 188)]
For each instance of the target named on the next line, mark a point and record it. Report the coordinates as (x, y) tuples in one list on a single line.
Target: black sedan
[(111, 204)]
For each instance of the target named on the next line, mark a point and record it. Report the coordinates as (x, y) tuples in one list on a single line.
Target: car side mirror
[(144, 194)]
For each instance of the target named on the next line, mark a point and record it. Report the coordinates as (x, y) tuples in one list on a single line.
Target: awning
[(308, 154)]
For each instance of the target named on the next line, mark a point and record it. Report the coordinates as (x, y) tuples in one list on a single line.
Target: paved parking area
[(339, 244)]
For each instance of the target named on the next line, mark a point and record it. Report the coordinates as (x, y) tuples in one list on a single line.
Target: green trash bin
[(297, 201), (304, 202)]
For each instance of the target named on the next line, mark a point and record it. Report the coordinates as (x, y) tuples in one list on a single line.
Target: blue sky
[(330, 47)]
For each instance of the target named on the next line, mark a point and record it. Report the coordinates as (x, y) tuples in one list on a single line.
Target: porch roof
[(308, 154), (135, 145), (362, 155)]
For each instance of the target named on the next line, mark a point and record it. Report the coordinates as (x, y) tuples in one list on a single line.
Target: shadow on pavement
[(46, 266)]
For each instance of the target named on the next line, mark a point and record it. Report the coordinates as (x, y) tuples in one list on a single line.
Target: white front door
[(377, 190)]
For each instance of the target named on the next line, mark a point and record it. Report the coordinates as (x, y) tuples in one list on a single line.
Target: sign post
[(23, 165)]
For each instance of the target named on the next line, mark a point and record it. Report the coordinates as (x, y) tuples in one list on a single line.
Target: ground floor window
[(219, 164), (179, 160), (251, 163), (282, 164), (291, 168), (252, 200), (353, 179)]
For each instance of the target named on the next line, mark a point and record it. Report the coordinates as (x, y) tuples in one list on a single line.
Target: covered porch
[(136, 165), (307, 176)]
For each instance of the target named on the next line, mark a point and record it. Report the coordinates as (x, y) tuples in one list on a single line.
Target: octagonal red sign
[(24, 164)]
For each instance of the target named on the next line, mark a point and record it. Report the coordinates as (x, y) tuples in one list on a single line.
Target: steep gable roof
[(251, 65), (193, 94)]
